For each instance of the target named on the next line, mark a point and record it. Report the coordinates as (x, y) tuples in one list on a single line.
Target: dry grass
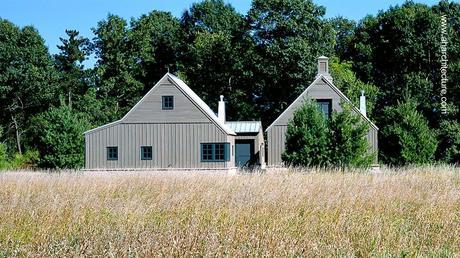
[(414, 212)]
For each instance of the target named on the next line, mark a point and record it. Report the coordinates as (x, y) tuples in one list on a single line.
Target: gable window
[(146, 153), (215, 152), (167, 102), (112, 153), (325, 107)]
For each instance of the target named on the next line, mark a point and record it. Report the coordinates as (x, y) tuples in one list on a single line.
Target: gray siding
[(175, 145), (150, 110), (276, 133)]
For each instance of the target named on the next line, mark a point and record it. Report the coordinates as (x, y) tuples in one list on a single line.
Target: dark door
[(243, 152)]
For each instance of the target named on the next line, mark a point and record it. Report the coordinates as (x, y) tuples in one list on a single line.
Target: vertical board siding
[(276, 137), (174, 145)]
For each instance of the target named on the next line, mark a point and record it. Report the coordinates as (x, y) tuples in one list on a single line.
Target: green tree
[(3, 153), (69, 62), (344, 33), (289, 35), (406, 136), (59, 137), (307, 138), (28, 80), (449, 142), (345, 79), (349, 146), (115, 76), (217, 59), (157, 45)]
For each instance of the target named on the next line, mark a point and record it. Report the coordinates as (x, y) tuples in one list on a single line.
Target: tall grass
[(405, 212)]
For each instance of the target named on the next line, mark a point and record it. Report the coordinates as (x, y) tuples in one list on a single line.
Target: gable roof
[(244, 126), (334, 88), (188, 92)]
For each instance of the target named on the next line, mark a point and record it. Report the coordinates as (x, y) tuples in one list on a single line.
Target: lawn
[(403, 212)]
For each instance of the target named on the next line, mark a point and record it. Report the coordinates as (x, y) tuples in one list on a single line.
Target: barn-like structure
[(172, 128), (329, 99)]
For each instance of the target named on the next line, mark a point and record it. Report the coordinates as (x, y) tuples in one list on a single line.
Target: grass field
[(405, 212)]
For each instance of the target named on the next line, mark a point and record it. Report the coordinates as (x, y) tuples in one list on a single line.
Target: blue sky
[(53, 17)]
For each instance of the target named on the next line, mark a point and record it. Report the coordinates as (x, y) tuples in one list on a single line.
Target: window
[(146, 153), (325, 106), (112, 153), (168, 102), (215, 152)]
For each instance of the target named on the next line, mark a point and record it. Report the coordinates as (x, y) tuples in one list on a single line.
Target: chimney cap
[(221, 97), (323, 57)]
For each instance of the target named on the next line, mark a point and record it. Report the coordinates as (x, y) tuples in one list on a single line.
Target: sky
[(52, 17)]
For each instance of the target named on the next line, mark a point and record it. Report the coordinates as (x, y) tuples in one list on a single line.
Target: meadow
[(413, 212)]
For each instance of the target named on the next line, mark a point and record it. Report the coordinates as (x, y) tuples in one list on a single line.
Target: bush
[(312, 140), (349, 147), (307, 138), (60, 137), (24, 161), (449, 142), (406, 137)]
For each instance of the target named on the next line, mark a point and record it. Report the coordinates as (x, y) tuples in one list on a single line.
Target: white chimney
[(362, 104), (221, 109), (323, 67)]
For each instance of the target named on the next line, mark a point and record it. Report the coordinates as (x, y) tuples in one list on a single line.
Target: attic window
[(167, 102), (325, 107), (322, 67)]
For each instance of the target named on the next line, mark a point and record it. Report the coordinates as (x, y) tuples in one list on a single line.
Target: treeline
[(260, 61)]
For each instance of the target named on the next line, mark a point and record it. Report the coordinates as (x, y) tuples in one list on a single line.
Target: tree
[(307, 138), (28, 80), (449, 142), (69, 62), (344, 32), (217, 60), (407, 136), (349, 146), (345, 79), (289, 35), (3, 154), (157, 44), (59, 137), (115, 80)]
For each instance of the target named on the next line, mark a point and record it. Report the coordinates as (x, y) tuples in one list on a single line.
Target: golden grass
[(406, 212)]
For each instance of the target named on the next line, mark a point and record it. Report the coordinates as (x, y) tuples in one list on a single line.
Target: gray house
[(329, 98), (172, 128)]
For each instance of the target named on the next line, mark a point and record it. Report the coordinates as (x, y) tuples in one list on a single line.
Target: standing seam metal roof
[(244, 126)]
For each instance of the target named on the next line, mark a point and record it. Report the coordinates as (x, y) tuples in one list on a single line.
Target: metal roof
[(244, 126)]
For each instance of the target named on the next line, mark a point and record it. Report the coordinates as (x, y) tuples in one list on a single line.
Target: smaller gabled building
[(329, 99), (249, 143)]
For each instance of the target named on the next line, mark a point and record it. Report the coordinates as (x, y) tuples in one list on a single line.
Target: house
[(172, 128), (329, 98)]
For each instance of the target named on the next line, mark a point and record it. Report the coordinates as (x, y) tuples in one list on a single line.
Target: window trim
[(108, 148), (163, 102), (329, 102), (142, 153), (213, 152)]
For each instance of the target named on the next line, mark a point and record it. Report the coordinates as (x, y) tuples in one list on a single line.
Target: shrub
[(406, 137), (349, 147), (60, 137), (307, 138), (312, 140), (449, 142)]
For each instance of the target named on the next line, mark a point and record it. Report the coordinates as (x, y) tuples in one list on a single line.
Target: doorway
[(244, 150)]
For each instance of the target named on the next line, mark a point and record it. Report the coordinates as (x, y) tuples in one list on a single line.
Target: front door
[(243, 152)]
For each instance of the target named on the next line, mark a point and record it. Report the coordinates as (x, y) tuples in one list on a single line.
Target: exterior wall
[(150, 109), (174, 145), (276, 133), (259, 144)]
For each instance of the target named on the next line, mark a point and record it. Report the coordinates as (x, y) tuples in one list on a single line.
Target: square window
[(146, 153), (219, 152), (325, 107), (112, 153), (206, 152), (167, 102)]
